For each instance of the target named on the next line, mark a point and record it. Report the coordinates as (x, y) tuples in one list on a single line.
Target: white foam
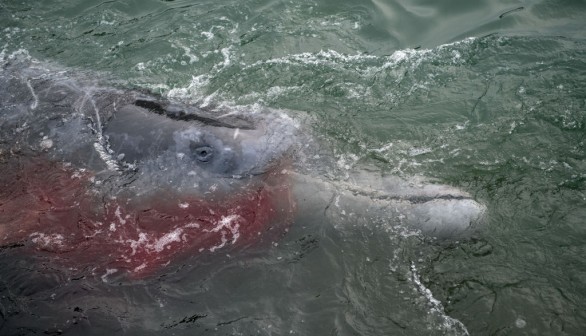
[(168, 238), (46, 143), (419, 151), (109, 271), (193, 90), (135, 244), (222, 244), (118, 215), (208, 35), (436, 308), (383, 148), (277, 91), (231, 224), (226, 54), (193, 225), (47, 240), (3, 52), (35, 103), (140, 267), (106, 157), (192, 58), (364, 65), (156, 245)]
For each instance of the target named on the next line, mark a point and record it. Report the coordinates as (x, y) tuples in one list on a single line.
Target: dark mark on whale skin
[(177, 112), (511, 11), (187, 320), (425, 199)]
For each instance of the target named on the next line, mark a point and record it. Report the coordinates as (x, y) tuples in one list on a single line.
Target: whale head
[(193, 156), (112, 182)]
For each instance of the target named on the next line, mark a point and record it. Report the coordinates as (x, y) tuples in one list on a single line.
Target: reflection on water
[(392, 84)]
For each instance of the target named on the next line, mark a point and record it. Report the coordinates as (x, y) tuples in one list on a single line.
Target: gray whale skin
[(105, 180)]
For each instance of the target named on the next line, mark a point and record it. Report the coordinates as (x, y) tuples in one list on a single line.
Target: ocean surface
[(487, 96)]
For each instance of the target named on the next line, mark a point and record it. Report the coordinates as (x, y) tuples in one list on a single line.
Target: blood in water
[(53, 210)]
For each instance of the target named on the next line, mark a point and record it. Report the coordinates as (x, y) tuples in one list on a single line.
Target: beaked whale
[(107, 180)]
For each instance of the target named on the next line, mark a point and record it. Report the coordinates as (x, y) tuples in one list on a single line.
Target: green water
[(489, 96)]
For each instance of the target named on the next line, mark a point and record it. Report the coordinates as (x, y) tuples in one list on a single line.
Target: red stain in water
[(53, 210)]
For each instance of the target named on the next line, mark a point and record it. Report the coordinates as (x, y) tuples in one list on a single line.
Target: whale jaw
[(435, 210)]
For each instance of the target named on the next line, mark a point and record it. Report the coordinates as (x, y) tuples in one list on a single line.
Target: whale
[(107, 180)]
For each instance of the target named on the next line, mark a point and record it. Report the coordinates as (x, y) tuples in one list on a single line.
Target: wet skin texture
[(106, 182), (120, 183)]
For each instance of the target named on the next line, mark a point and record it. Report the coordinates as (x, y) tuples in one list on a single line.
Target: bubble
[(46, 143), (520, 323)]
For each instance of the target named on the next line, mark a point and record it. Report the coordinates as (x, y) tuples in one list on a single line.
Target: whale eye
[(203, 153)]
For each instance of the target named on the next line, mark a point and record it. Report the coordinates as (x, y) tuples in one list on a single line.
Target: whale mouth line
[(423, 199), (419, 198)]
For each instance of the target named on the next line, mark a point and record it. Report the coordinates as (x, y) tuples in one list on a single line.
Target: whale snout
[(444, 217), (436, 210)]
